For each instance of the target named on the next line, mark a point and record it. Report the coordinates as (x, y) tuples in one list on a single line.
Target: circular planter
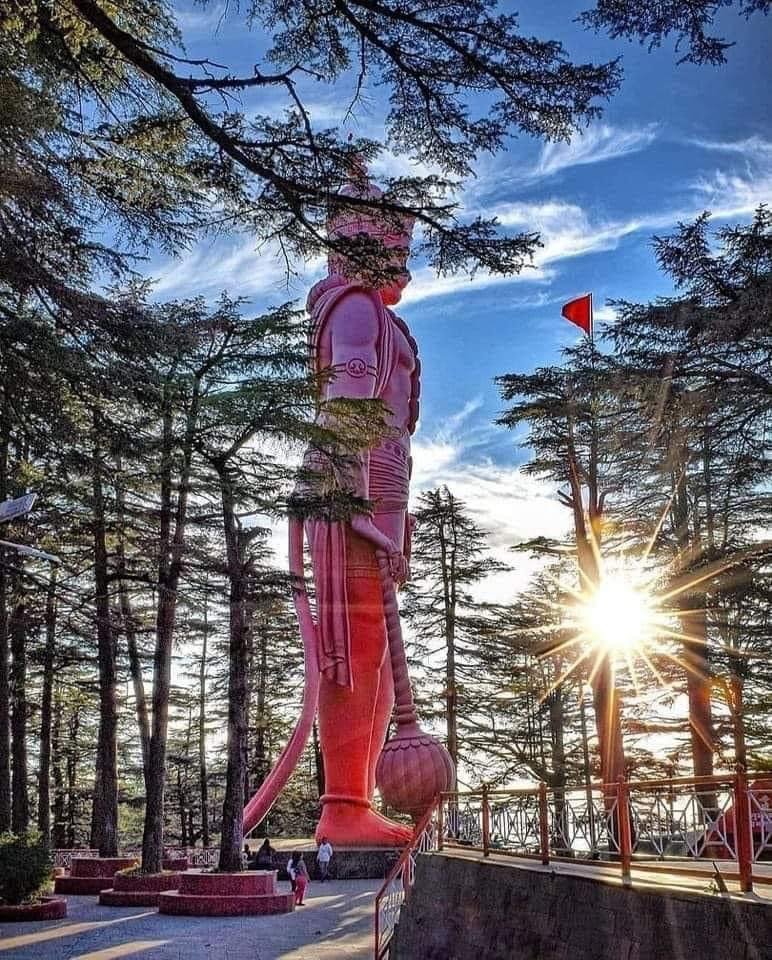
[(48, 908), (226, 895), (138, 890), (90, 876)]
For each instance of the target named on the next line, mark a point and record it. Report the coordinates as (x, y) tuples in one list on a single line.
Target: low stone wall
[(463, 909), (353, 863)]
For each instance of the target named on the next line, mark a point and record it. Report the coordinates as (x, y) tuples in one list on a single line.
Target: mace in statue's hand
[(363, 525)]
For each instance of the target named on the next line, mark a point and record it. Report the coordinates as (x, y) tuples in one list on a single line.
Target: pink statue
[(351, 659)]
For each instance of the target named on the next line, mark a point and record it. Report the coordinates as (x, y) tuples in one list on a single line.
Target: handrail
[(400, 866), (712, 780), (625, 821)]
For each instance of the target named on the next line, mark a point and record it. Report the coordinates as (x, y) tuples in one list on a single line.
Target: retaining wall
[(463, 909)]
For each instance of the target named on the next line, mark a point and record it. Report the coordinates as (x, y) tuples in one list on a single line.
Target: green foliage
[(25, 865), (688, 20)]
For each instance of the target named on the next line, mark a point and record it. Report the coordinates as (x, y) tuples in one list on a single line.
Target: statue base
[(348, 863)]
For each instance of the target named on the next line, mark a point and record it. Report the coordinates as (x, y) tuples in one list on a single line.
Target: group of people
[(296, 865)]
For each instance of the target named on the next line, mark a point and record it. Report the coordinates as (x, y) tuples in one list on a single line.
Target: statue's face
[(398, 252)]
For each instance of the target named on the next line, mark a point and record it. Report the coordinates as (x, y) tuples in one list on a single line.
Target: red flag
[(579, 311)]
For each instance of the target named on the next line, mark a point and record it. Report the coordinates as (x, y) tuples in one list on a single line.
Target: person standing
[(323, 857), (298, 872)]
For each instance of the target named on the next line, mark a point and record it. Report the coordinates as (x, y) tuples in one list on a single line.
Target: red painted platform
[(138, 890), (226, 895), (49, 908), (88, 876)]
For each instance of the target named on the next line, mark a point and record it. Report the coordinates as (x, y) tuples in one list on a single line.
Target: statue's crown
[(347, 222)]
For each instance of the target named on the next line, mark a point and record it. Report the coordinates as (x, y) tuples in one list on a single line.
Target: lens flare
[(619, 615)]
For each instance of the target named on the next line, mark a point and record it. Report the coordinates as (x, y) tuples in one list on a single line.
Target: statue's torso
[(398, 389)]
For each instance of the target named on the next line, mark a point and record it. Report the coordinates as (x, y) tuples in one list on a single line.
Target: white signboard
[(30, 551), (11, 509)]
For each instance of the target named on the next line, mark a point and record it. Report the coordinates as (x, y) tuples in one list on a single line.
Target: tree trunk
[(737, 711), (232, 831), (19, 797), (73, 728), (104, 813), (171, 548), (44, 769), (202, 771), (183, 808), (259, 753), (451, 695), (698, 687), (130, 631), (5, 704), (135, 669), (58, 835)]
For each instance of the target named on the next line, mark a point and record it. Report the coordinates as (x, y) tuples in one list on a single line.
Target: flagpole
[(592, 324)]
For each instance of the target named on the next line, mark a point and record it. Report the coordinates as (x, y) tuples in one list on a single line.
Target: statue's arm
[(354, 330)]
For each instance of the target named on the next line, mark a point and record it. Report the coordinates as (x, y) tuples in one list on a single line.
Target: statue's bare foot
[(348, 825)]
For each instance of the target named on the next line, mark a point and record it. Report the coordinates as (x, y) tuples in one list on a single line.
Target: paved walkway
[(335, 924)]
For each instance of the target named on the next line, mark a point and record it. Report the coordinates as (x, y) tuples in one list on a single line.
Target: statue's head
[(387, 241)]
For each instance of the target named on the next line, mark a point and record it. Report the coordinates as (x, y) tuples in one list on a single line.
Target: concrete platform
[(335, 924)]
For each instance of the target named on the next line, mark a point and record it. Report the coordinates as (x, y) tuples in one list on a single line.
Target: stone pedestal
[(91, 876), (252, 893), (348, 863)]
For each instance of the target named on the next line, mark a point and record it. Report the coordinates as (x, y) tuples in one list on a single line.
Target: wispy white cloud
[(195, 19), (594, 145), (567, 230), (236, 266), (729, 195), (427, 284), (753, 148), (509, 505)]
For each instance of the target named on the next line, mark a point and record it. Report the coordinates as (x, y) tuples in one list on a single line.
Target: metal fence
[(686, 818), (197, 856)]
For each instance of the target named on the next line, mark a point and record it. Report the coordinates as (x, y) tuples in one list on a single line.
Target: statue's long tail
[(263, 800)]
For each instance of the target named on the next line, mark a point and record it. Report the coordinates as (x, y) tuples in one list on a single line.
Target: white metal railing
[(63, 856), (397, 885)]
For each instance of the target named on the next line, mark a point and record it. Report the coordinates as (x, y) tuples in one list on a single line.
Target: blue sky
[(674, 140)]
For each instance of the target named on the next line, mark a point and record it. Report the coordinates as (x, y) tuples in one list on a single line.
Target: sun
[(619, 615)]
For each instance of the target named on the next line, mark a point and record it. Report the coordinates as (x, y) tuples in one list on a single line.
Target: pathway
[(335, 924)]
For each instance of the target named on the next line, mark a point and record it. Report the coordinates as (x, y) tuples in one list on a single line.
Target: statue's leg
[(353, 722)]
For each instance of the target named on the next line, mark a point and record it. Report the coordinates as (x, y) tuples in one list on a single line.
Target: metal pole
[(486, 821), (743, 829), (440, 822), (623, 819), (544, 836), (587, 773)]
